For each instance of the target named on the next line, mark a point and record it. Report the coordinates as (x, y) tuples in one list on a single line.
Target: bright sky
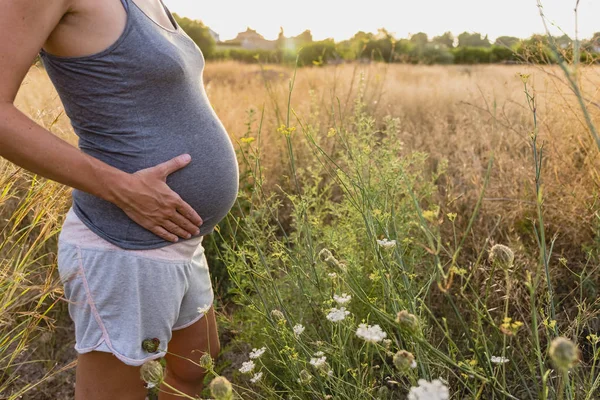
[(340, 19)]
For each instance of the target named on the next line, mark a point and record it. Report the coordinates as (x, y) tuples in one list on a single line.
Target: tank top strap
[(125, 4)]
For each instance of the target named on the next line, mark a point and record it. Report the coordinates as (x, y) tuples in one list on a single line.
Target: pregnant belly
[(209, 183)]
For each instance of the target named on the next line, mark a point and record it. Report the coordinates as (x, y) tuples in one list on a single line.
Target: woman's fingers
[(162, 210), (172, 227), (185, 224), (168, 167), (188, 212), (163, 233)]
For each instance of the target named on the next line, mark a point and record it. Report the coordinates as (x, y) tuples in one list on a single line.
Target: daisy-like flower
[(247, 367), (298, 329), (499, 360), (318, 362), (336, 315), (256, 377), (386, 243), (204, 309), (434, 390), (319, 354), (343, 299), (372, 334), (255, 353), (332, 275)]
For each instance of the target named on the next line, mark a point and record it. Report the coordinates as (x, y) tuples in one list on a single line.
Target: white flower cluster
[(343, 299), (256, 377), (247, 366), (255, 353), (372, 334), (318, 362), (298, 329), (387, 244), (499, 360), (204, 309), (434, 390), (337, 315)]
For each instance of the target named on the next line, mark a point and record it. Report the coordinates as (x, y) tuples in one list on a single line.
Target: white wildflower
[(413, 365), (499, 360), (336, 315), (343, 299), (332, 275), (298, 329), (255, 353), (318, 362), (434, 390), (204, 309), (387, 244), (247, 366), (319, 354), (256, 377), (370, 333)]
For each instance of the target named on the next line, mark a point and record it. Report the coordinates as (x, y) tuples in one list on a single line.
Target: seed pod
[(152, 372), (221, 389), (564, 353), (278, 315), (407, 321), (206, 361), (502, 256), (305, 377), (404, 360), (151, 345)]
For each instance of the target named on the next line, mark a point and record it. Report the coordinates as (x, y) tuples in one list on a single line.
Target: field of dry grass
[(456, 113), (459, 115)]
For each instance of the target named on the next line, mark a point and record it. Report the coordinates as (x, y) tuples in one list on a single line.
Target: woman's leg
[(192, 342), (101, 376)]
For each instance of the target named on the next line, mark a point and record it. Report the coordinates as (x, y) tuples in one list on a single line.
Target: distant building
[(250, 40)]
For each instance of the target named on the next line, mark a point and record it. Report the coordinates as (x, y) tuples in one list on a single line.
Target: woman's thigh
[(101, 376), (191, 343)]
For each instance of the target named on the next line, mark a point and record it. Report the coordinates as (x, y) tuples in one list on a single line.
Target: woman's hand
[(149, 201)]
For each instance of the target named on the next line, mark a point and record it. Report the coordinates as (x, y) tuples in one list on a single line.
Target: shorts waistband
[(76, 232)]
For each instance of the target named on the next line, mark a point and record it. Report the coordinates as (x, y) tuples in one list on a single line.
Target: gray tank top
[(138, 103)]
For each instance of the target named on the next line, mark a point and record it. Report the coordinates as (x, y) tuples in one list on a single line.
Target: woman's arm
[(144, 196)]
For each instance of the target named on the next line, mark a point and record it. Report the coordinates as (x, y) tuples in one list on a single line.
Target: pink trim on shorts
[(76, 232), (192, 322)]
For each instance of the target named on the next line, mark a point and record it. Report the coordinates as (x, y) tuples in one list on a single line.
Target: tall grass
[(483, 325), (28, 287), (447, 161)]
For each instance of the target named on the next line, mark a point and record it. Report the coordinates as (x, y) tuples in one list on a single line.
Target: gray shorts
[(122, 300)]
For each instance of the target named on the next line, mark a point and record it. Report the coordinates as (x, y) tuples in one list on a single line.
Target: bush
[(472, 55)]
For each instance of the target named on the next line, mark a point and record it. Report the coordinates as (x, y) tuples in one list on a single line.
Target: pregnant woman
[(154, 173)]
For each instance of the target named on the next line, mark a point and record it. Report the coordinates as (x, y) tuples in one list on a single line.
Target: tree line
[(466, 48)]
